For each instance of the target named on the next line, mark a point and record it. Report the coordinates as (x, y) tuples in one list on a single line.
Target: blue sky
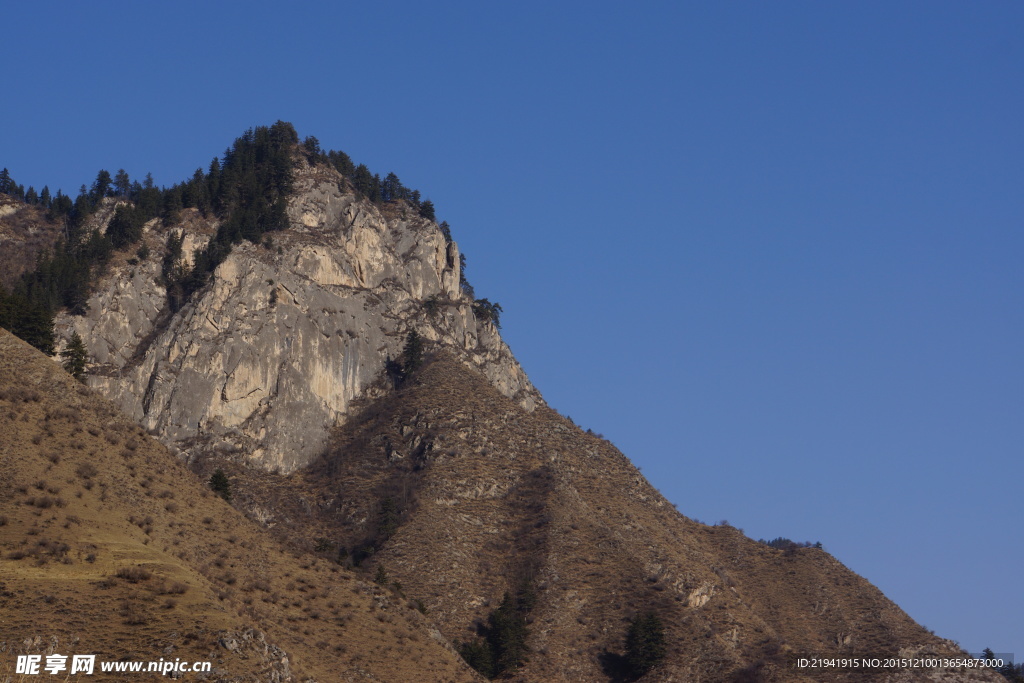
[(771, 250)]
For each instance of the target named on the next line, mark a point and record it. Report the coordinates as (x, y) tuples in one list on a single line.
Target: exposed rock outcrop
[(267, 358)]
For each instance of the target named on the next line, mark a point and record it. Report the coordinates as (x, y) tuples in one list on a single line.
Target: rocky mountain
[(268, 357), (537, 551)]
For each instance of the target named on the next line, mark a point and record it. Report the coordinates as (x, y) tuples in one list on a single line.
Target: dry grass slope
[(108, 545)]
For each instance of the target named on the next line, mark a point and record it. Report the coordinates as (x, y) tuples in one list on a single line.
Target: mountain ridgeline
[(309, 420)]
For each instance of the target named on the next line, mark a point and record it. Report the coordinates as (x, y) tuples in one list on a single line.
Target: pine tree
[(645, 644), (195, 192), (507, 635), (81, 210), (412, 354), (220, 484), (312, 146), (488, 312), (427, 211), (122, 184), (125, 227), (32, 321), (342, 162), (75, 356), (171, 205), (390, 188), (100, 187), (213, 183), (7, 183), (60, 207)]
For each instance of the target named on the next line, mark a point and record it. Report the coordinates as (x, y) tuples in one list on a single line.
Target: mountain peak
[(266, 357)]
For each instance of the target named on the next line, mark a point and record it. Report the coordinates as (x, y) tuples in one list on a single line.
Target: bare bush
[(134, 574)]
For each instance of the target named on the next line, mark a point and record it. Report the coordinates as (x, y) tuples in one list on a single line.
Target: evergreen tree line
[(371, 185), (248, 191), (782, 543), (1010, 671)]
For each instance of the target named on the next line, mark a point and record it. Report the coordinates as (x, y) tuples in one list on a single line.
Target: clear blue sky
[(772, 250)]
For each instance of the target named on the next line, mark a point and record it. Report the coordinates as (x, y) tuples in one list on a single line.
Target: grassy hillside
[(109, 545)]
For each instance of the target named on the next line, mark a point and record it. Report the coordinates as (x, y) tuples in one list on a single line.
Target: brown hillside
[(464, 496), (108, 545), (24, 234)]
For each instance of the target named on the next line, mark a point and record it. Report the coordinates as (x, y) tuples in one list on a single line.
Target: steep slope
[(267, 357), (108, 545), (463, 496), (24, 233)]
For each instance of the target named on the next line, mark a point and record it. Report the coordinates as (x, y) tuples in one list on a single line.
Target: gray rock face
[(269, 356)]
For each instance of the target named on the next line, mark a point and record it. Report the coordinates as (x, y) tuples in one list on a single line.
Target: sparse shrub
[(381, 578), (432, 306), (134, 574), (45, 502), (134, 614), (86, 470)]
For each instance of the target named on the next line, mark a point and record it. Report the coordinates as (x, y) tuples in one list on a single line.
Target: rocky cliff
[(268, 357)]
